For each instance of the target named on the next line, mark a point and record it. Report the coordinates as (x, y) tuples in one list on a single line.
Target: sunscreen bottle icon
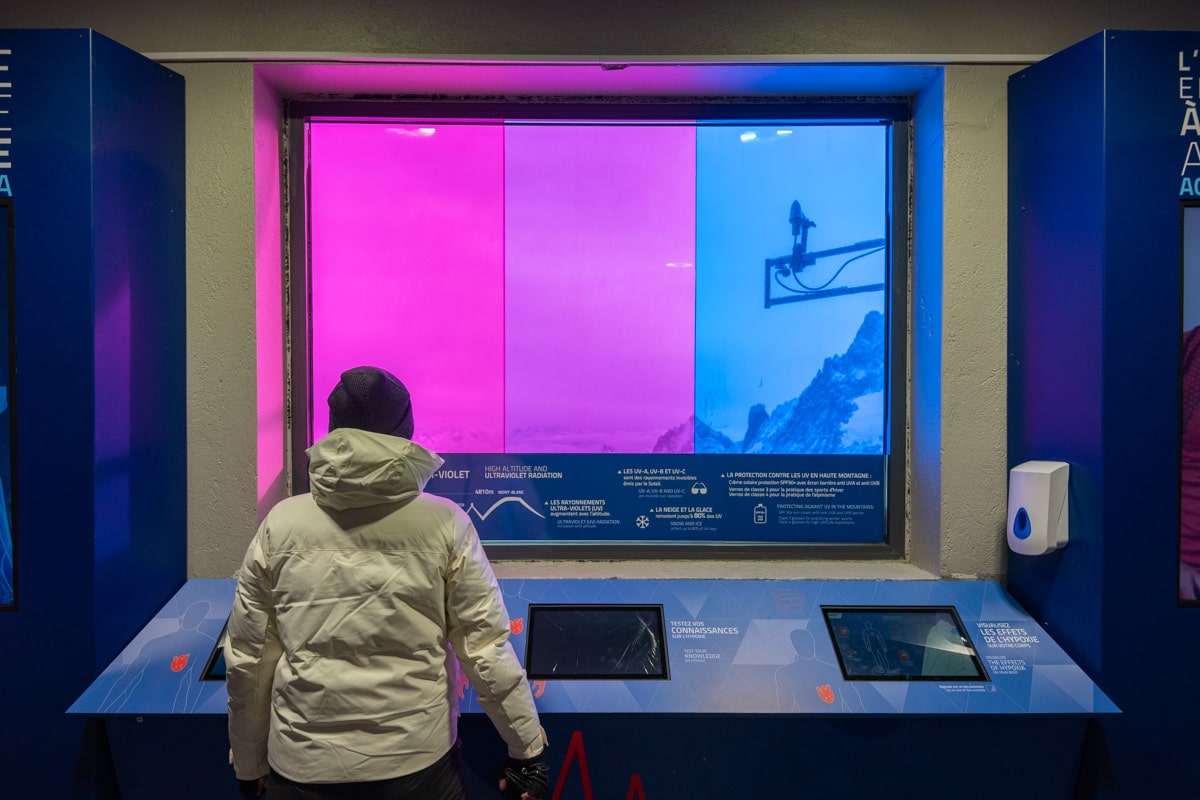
[(760, 514)]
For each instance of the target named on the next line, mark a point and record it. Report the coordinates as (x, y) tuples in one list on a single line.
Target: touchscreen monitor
[(596, 642), (214, 669), (902, 643)]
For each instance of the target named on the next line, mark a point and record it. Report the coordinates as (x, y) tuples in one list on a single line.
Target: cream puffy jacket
[(351, 604)]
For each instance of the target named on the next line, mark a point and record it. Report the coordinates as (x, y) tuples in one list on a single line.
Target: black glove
[(251, 789), (526, 776)]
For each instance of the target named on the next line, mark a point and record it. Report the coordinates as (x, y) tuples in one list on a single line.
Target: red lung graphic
[(179, 662), (516, 626), (825, 693), (538, 688)]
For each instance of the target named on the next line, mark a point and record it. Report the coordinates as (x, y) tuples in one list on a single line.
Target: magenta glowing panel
[(600, 286), (407, 271), (268, 300)]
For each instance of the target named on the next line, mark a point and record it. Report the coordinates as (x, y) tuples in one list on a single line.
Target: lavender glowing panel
[(599, 286), (407, 271)]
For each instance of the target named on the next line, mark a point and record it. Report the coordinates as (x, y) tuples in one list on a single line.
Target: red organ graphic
[(789, 602)]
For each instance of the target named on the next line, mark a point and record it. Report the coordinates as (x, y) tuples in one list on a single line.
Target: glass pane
[(620, 331)]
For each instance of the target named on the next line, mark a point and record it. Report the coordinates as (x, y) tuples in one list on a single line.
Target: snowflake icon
[(643, 521)]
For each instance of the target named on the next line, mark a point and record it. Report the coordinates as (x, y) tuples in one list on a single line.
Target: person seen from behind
[(356, 605)]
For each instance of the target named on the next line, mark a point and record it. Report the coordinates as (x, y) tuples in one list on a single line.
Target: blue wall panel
[(1056, 247), (139, 355), (1096, 153), (96, 180)]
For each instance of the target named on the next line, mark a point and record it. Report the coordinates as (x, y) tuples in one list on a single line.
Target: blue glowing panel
[(7, 536), (795, 362)]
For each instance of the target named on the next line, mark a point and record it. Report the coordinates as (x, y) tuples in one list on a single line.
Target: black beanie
[(371, 399)]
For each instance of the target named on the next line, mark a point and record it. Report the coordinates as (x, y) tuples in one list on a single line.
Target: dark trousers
[(441, 780)]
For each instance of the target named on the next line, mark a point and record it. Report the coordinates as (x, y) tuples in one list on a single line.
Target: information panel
[(767, 498)]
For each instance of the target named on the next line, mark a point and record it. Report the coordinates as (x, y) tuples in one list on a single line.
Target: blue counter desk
[(753, 675)]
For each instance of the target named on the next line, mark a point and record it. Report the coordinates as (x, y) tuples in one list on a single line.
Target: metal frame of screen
[(9, 332), (531, 640), (981, 673), (896, 112), (1188, 209)]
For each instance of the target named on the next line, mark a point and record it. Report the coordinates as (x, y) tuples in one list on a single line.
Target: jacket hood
[(352, 468)]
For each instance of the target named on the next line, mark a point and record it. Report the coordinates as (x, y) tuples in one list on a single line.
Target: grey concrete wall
[(958, 481), (974, 475), (222, 392), (612, 27)]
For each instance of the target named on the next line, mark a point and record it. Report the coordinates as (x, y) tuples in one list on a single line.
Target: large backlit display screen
[(652, 331), (8, 595), (1189, 511)]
